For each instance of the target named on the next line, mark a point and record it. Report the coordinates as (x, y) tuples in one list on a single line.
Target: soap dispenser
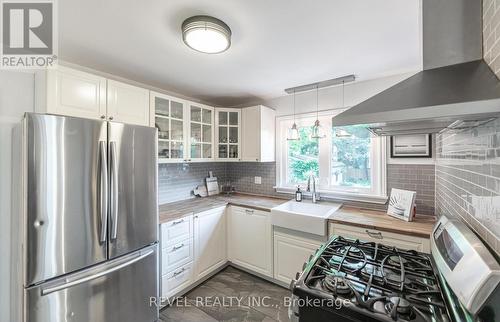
[(298, 195)]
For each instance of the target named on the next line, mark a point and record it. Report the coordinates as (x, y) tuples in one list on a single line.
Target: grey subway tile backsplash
[(468, 179), (176, 181), (414, 177)]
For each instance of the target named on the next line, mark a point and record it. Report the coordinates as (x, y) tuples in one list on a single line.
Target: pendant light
[(340, 132), (317, 129), (294, 131)]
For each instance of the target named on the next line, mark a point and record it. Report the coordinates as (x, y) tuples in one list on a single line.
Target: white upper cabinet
[(258, 134), (127, 103), (201, 132), (228, 134), (169, 117), (70, 92)]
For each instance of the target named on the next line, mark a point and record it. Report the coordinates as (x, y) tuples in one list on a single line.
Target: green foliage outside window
[(352, 158), (303, 157)]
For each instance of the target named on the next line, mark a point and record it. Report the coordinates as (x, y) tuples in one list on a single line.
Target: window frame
[(377, 193)]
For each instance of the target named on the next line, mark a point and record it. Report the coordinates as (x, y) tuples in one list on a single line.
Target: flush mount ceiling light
[(206, 34)]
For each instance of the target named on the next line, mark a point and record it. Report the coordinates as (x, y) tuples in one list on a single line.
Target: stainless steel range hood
[(455, 90)]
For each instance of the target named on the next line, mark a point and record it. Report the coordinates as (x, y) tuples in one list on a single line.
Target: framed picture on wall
[(411, 146)]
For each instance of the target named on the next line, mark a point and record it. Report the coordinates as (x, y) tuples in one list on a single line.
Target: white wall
[(16, 97), (331, 97)]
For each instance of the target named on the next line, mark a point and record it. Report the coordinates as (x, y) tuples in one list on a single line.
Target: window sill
[(359, 197)]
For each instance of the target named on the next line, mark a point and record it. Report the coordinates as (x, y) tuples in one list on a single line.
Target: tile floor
[(217, 300)]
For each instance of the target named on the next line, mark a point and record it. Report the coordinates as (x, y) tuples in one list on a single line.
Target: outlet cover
[(258, 180)]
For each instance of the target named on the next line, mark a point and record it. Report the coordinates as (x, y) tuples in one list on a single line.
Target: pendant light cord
[(317, 102), (343, 94), (293, 106)]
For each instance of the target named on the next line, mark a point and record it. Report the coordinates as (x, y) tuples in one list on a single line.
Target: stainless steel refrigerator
[(86, 221)]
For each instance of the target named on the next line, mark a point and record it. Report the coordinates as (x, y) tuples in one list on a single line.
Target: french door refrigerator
[(87, 224)]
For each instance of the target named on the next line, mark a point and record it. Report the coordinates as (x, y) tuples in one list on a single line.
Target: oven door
[(122, 290)]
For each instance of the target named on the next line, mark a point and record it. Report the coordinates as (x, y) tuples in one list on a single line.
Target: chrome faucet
[(314, 194)]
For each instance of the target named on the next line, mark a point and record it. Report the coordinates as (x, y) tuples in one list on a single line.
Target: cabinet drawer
[(176, 280), (383, 237), (176, 255), (176, 231)]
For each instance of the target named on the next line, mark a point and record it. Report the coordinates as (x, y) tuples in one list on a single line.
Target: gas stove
[(353, 280)]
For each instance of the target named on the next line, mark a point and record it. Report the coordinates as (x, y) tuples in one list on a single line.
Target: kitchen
[(250, 161)]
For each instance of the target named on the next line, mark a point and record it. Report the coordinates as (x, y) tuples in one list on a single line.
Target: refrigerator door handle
[(114, 190), (70, 283), (103, 202)]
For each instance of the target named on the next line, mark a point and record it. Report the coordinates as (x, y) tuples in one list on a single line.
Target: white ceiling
[(275, 44)]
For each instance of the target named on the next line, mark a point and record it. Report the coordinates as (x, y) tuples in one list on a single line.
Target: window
[(349, 162)]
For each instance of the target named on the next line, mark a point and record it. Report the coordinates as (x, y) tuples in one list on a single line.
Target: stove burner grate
[(337, 285)]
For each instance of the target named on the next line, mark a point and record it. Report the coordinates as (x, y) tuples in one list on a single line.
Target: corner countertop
[(360, 217), (179, 209)]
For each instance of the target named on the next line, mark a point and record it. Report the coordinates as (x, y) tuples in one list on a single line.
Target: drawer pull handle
[(179, 272), (248, 211), (377, 235), (177, 222), (177, 247)]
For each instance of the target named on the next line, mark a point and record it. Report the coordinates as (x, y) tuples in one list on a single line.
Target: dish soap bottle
[(298, 195)]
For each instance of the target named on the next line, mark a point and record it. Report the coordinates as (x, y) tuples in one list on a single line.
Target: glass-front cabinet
[(228, 133), (185, 129), (169, 119), (201, 132)]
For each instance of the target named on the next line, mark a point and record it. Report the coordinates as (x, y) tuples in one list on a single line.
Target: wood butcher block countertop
[(370, 219), (421, 226), (179, 209)]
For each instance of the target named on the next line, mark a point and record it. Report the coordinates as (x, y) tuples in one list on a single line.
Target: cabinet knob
[(103, 117), (110, 118)]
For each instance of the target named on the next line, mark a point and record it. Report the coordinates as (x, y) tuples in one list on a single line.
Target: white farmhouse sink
[(304, 216)]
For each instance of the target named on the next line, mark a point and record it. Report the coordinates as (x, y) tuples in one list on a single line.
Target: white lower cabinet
[(386, 238), (250, 239), (290, 254), (209, 241), (174, 282), (176, 255)]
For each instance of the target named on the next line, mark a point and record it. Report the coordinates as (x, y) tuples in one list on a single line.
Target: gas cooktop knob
[(304, 265), (297, 275)]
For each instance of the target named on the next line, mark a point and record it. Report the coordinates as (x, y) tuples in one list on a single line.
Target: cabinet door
[(127, 103), (169, 118), (290, 254), (201, 132), (251, 133), (228, 134), (75, 93), (250, 239), (209, 241)]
